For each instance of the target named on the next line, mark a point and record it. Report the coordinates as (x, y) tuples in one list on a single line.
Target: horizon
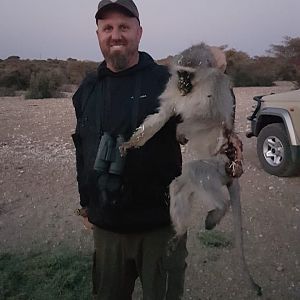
[(162, 58)]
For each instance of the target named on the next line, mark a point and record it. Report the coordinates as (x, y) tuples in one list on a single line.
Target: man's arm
[(78, 148), (80, 100)]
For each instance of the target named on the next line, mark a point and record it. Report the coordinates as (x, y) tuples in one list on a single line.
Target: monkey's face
[(184, 83), (188, 62)]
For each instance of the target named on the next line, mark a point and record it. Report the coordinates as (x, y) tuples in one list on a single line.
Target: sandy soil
[(38, 196)]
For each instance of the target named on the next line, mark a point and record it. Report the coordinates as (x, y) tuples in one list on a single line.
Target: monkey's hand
[(152, 124), (136, 140), (234, 169), (182, 140), (234, 152), (237, 145), (180, 134)]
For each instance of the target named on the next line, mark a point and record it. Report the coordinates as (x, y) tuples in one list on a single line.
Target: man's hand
[(87, 225), (83, 213)]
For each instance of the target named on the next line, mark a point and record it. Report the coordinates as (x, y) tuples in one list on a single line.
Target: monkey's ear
[(220, 58)]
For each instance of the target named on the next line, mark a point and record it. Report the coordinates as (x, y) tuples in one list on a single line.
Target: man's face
[(119, 37)]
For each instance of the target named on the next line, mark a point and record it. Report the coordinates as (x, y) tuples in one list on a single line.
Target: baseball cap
[(128, 5)]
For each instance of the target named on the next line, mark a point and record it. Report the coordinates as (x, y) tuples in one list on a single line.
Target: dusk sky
[(66, 28)]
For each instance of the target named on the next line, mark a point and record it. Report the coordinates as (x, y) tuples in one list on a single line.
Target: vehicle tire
[(274, 152)]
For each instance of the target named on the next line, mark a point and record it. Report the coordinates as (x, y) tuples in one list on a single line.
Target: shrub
[(13, 57), (7, 92), (44, 84), (17, 79), (77, 70)]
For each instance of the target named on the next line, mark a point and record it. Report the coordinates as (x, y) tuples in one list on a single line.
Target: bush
[(45, 84), (77, 70), (13, 57), (16, 79), (247, 71), (7, 92)]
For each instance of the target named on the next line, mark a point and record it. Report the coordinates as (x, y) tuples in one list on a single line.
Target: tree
[(288, 58), (290, 50)]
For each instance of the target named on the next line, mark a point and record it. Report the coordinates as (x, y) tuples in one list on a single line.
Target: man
[(126, 199)]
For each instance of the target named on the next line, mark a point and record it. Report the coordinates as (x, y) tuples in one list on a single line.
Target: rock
[(280, 268)]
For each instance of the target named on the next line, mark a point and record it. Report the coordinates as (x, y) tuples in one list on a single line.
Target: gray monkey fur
[(206, 105)]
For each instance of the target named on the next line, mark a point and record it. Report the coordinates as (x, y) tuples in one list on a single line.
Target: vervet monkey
[(200, 92)]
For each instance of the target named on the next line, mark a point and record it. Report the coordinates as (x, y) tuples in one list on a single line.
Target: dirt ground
[(38, 196)]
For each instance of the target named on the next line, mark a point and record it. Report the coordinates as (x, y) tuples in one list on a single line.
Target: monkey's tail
[(234, 192)]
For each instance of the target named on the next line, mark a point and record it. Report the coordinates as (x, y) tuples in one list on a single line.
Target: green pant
[(120, 259)]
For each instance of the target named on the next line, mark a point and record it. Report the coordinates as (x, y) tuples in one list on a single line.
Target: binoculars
[(108, 159)]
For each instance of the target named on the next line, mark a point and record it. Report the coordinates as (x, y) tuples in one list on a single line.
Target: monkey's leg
[(234, 192), (181, 200), (207, 178)]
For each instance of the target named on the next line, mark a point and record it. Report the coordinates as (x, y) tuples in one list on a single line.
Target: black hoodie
[(104, 103)]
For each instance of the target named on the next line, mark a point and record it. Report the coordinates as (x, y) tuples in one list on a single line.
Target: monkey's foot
[(181, 139), (213, 218)]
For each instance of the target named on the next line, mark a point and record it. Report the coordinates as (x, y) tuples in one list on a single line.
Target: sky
[(41, 29)]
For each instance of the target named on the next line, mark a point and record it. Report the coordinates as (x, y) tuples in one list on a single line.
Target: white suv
[(276, 124)]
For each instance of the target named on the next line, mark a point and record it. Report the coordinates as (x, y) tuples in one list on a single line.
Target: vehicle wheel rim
[(273, 151)]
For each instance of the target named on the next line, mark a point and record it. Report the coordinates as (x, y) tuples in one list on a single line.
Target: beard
[(119, 61)]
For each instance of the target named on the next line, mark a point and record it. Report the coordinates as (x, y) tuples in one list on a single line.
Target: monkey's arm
[(151, 125)]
